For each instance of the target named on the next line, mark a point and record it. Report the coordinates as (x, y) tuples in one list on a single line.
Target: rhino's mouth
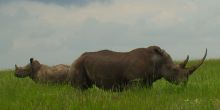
[(20, 75)]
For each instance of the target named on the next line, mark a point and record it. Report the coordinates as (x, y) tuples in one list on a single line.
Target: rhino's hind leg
[(80, 80), (148, 83)]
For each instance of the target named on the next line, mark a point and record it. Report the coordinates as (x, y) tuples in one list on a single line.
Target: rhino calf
[(43, 73)]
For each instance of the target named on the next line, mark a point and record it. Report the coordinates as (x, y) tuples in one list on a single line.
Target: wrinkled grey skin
[(114, 70), (43, 73)]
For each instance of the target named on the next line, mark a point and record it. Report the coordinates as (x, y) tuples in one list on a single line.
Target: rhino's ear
[(31, 60), (35, 65), (16, 67)]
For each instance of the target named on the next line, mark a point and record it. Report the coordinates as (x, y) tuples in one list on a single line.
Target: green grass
[(201, 93)]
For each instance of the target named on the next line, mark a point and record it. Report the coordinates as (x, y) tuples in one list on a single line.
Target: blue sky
[(58, 31)]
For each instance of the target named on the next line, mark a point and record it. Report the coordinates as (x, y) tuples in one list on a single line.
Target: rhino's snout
[(20, 75)]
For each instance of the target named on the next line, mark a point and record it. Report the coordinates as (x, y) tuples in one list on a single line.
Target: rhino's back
[(57, 73)]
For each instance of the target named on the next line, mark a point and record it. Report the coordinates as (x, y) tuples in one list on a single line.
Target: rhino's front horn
[(193, 68)]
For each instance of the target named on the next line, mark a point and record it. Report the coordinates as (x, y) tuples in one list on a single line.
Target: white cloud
[(127, 12), (26, 43), (40, 29)]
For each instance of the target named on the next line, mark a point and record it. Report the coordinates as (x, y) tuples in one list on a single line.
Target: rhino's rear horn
[(183, 64)]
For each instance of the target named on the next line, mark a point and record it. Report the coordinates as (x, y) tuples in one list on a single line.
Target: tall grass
[(201, 93)]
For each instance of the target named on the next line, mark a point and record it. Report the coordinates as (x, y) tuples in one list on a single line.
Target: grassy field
[(201, 93)]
